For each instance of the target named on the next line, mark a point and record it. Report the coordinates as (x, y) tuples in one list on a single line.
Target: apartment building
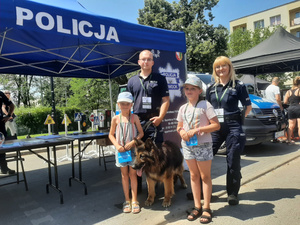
[(287, 15)]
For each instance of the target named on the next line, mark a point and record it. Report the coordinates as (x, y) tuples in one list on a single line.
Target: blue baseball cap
[(125, 97)]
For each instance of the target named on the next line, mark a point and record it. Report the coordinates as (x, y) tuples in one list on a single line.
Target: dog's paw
[(166, 203), (148, 202)]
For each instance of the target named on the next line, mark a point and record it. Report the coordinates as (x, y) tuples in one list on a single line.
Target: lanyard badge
[(193, 140), (146, 101), (220, 111)]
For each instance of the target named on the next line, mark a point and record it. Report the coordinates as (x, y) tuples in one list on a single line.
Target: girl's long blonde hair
[(219, 61)]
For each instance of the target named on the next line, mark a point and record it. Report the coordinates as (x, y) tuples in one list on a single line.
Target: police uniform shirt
[(231, 98), (155, 86)]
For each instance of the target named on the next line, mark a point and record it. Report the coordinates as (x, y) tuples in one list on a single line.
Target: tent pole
[(54, 126), (110, 94)]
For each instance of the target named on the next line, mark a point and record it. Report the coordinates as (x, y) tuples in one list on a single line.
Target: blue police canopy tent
[(63, 39)]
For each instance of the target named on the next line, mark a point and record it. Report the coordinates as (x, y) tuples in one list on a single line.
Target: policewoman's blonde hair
[(219, 61)]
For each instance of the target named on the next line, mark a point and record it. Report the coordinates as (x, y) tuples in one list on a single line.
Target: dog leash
[(146, 127)]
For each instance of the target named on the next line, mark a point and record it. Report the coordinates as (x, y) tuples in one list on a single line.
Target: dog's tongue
[(139, 172)]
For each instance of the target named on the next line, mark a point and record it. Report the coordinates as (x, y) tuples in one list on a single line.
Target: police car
[(265, 122)]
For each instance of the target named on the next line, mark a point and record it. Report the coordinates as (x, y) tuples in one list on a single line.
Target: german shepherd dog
[(160, 165)]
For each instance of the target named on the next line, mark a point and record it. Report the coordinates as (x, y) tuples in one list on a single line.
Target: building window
[(259, 24), (275, 20), (297, 19)]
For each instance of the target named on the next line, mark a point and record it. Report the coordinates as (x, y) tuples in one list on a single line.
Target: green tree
[(240, 41), (21, 86), (204, 42), (62, 91), (89, 94)]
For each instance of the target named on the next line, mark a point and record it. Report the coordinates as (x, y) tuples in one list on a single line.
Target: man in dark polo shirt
[(151, 98)]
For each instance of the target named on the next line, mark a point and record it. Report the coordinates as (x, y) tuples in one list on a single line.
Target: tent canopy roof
[(255, 81), (279, 53), (61, 38)]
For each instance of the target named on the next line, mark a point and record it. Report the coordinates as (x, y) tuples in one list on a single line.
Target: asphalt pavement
[(270, 193)]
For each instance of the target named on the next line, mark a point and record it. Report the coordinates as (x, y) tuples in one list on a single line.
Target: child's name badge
[(146, 102), (220, 114), (193, 141)]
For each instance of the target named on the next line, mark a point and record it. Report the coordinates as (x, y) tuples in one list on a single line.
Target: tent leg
[(54, 126), (110, 93)]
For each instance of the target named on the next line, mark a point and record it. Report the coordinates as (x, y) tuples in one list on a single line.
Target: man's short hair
[(276, 80)]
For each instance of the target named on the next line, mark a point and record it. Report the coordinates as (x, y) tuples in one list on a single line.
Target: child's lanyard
[(127, 130), (146, 89), (189, 123), (217, 97)]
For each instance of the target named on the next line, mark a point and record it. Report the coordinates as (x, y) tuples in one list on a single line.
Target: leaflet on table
[(11, 145)]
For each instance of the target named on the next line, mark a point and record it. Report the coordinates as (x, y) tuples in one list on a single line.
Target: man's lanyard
[(127, 130), (146, 89), (189, 123), (217, 97)]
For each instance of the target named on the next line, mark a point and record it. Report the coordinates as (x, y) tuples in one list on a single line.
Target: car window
[(205, 78), (250, 89)]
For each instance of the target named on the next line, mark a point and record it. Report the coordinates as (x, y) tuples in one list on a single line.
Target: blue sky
[(225, 11)]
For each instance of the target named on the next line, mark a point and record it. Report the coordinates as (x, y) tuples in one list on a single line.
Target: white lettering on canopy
[(39, 17), (46, 21)]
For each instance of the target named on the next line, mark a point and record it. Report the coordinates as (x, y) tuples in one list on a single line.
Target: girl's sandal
[(291, 142), (126, 207), (135, 207), (206, 219), (194, 214)]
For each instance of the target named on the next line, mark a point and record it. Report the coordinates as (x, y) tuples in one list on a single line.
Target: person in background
[(11, 123), (3, 119), (273, 92), (273, 95), (151, 99), (124, 128), (292, 97), (224, 95), (196, 120)]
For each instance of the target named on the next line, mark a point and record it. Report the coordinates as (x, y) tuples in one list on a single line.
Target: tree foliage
[(204, 42), (21, 87), (89, 94), (62, 91), (241, 40)]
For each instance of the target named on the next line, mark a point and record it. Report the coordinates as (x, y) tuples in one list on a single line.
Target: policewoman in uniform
[(224, 95)]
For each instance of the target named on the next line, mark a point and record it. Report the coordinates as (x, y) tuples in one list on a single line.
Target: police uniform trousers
[(231, 132)]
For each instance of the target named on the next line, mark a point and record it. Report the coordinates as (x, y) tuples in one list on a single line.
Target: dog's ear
[(136, 142), (149, 144)]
